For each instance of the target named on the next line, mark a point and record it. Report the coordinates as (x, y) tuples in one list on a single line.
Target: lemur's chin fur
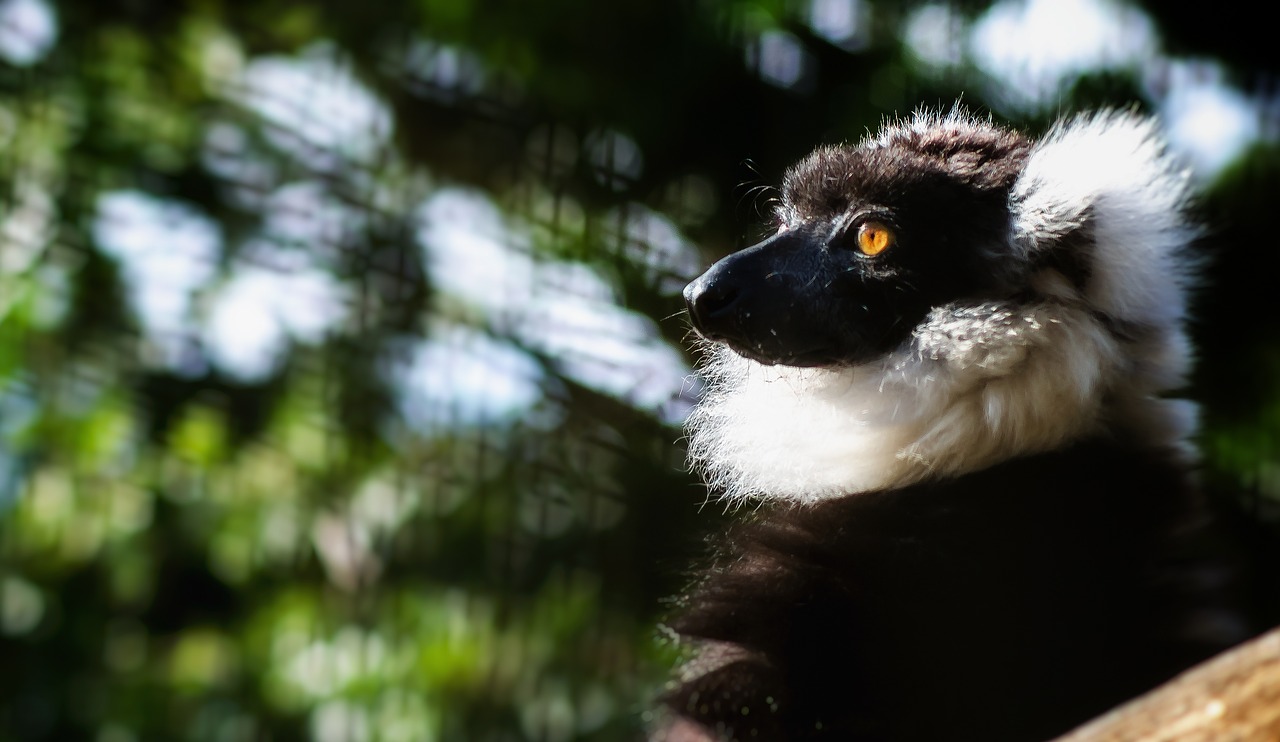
[(1084, 337)]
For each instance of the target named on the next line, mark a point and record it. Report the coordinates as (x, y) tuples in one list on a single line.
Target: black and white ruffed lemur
[(941, 382)]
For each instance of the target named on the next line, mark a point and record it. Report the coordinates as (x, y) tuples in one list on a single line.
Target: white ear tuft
[(1109, 173)]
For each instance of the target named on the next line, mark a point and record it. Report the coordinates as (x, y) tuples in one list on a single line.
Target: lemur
[(942, 383)]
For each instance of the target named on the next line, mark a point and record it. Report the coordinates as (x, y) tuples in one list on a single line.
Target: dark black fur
[(1008, 604)]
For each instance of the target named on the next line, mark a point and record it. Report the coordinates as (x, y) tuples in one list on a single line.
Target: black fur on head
[(807, 296)]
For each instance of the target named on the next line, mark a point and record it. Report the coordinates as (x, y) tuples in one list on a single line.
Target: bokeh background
[(341, 360)]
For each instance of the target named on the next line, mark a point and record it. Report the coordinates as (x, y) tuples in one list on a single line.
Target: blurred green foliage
[(308, 543)]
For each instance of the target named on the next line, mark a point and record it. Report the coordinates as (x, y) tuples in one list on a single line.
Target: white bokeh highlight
[(315, 107), (565, 311), (460, 376), (166, 251), (1208, 121), (169, 256), (259, 311), (1033, 51), (28, 30)]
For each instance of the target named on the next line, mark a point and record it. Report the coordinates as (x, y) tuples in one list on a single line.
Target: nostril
[(712, 305), (715, 299)]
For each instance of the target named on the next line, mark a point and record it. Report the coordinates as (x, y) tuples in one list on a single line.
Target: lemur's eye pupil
[(874, 238)]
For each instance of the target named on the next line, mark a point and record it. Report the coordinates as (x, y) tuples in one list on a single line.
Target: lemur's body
[(942, 380)]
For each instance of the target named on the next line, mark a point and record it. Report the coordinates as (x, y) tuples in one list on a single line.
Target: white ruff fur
[(979, 384)]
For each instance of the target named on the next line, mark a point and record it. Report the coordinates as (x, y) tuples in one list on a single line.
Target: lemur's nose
[(710, 299)]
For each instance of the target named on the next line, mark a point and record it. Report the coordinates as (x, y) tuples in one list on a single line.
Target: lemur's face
[(870, 238)]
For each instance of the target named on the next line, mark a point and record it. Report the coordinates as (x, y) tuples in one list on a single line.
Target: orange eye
[(874, 238)]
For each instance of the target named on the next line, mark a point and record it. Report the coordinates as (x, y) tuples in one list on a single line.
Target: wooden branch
[(1232, 697)]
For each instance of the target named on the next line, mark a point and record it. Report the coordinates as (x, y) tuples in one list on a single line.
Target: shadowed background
[(341, 361)]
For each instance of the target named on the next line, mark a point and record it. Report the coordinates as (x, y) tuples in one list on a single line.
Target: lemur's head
[(870, 239), (940, 297)]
